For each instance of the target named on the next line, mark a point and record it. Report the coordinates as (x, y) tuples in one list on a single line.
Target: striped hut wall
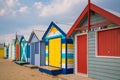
[(70, 54)]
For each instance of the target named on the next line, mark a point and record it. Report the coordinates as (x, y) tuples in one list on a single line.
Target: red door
[(82, 54), (17, 52)]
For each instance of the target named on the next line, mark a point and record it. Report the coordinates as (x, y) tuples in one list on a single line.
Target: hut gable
[(55, 30), (36, 36), (98, 15)]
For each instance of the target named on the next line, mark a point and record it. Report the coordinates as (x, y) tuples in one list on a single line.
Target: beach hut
[(59, 50), (17, 47), (10, 53), (24, 50), (96, 35), (6, 50), (37, 48), (2, 50), (12, 50)]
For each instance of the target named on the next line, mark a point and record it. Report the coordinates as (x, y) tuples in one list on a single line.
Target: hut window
[(36, 47), (108, 42)]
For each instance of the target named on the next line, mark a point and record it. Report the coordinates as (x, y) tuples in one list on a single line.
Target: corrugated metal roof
[(39, 33), (26, 36), (64, 27)]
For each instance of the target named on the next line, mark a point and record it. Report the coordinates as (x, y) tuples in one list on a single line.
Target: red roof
[(111, 17)]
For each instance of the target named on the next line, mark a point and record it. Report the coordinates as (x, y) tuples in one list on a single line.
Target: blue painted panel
[(42, 53), (23, 52), (67, 71), (69, 41), (52, 72), (36, 48), (32, 54), (28, 51)]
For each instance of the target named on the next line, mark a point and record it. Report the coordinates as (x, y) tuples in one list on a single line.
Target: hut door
[(32, 53), (17, 52), (82, 54), (1, 52), (55, 52)]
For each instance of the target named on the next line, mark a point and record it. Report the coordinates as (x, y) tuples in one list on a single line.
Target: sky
[(23, 16)]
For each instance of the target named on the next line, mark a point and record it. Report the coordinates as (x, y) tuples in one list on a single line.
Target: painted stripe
[(68, 56), (69, 61), (46, 63), (46, 40), (63, 51), (70, 46), (70, 51), (46, 47), (55, 36), (70, 66), (63, 56), (46, 51), (46, 59), (63, 46), (46, 55), (63, 61), (63, 66)]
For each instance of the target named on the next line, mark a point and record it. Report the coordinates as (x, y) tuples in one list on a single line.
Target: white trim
[(109, 28), (75, 59), (96, 44)]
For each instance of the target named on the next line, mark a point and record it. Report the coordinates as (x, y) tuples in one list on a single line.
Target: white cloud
[(57, 7), (8, 7), (2, 12), (38, 5), (26, 32), (23, 9), (11, 3)]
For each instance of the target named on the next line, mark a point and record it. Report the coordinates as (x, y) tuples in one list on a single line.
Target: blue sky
[(23, 16)]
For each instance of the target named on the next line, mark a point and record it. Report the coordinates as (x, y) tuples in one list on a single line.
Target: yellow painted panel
[(69, 61), (46, 47), (63, 61), (63, 46), (53, 29), (1, 52), (51, 52), (46, 59), (55, 52), (70, 46)]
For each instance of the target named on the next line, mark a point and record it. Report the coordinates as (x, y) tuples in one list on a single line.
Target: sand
[(11, 71)]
